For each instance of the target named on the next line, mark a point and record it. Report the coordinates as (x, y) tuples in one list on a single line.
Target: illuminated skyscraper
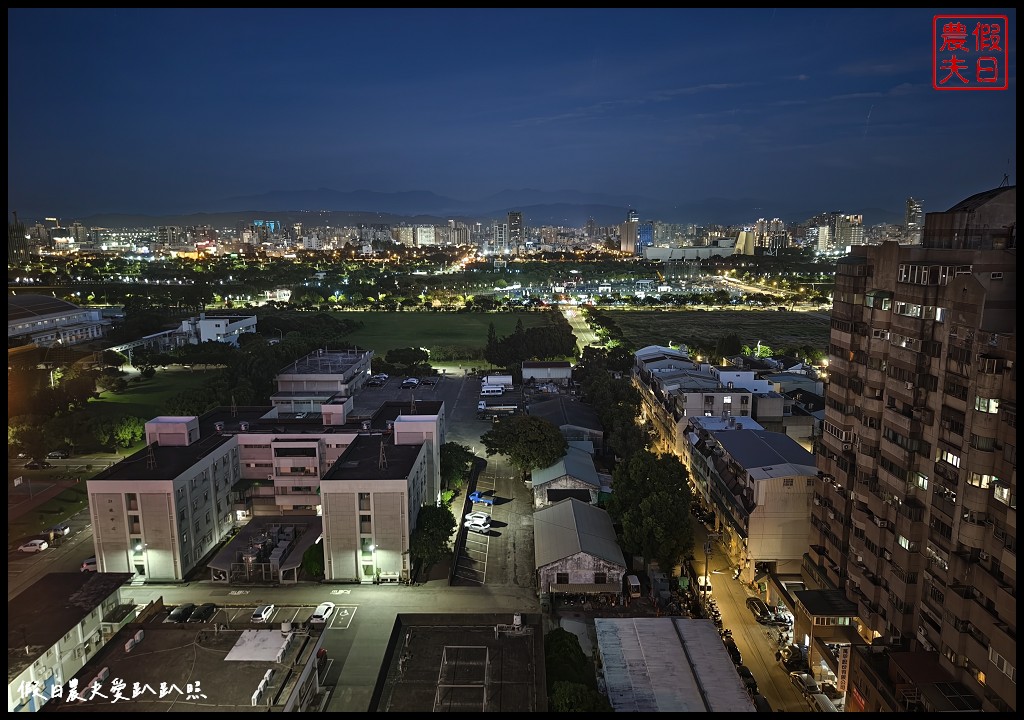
[(914, 221)]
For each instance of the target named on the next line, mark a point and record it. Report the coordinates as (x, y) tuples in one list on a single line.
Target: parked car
[(478, 516), (748, 678), (262, 614), (429, 381), (203, 613), (476, 497), (33, 546), (374, 382), (181, 613), (60, 530), (58, 454), (805, 683), (322, 612), (410, 383), (478, 526), (759, 610), (37, 465), (89, 564), (762, 704)]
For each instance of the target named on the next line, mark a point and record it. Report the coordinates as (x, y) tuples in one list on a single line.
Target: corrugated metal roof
[(576, 463), (668, 665), (571, 527)]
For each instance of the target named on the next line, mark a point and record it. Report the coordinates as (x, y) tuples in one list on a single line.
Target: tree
[(575, 697), (313, 560), (429, 541), (130, 430), (456, 462), (528, 441), (652, 502)]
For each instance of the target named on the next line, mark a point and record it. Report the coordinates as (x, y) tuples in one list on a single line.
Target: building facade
[(914, 513)]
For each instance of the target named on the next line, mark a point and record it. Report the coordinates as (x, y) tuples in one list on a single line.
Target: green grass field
[(147, 398), (383, 331), (703, 328)]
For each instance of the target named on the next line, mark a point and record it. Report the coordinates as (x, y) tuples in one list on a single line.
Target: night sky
[(168, 111)]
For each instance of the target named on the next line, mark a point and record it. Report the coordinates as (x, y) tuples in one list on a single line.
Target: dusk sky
[(166, 111)]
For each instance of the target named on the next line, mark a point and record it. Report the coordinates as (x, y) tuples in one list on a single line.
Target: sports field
[(383, 331), (703, 328)]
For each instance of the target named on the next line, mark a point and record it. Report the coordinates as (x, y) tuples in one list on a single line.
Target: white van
[(491, 390), (703, 584), (634, 585), (481, 406), (819, 702)]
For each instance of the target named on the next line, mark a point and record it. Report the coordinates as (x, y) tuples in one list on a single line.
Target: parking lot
[(240, 616)]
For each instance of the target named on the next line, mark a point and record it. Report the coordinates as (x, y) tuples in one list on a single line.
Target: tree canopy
[(652, 502), (529, 442), (429, 542)]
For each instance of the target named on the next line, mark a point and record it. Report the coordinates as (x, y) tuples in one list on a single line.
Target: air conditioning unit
[(817, 501), (983, 555), (909, 385), (887, 555), (882, 523), (860, 558), (831, 515), (847, 447)]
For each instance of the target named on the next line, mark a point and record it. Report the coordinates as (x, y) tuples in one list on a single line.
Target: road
[(584, 335), (757, 643)]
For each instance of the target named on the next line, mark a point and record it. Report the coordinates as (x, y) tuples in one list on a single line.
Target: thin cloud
[(605, 107)]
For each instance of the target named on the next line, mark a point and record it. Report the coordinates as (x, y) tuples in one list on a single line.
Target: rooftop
[(223, 668), (326, 362), (463, 663), (668, 665), (64, 600), (374, 457)]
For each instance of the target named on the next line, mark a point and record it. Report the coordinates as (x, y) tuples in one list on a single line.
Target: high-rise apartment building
[(628, 233), (17, 242), (915, 510), (913, 221), (515, 230)]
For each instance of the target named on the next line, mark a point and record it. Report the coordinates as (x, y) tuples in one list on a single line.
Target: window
[(986, 405), (562, 578), (364, 501), (981, 442), (981, 480), (364, 524), (948, 457), (600, 578), (787, 482)]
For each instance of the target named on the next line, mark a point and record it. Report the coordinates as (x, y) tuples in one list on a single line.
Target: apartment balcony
[(957, 600), (871, 614), (906, 425), (914, 530), (291, 499), (972, 534)]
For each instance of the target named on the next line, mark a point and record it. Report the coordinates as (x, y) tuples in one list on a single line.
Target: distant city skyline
[(179, 111)]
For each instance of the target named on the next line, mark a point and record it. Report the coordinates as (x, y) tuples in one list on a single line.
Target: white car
[(478, 526), (34, 546), (804, 682), (479, 517), (322, 612), (262, 613)]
